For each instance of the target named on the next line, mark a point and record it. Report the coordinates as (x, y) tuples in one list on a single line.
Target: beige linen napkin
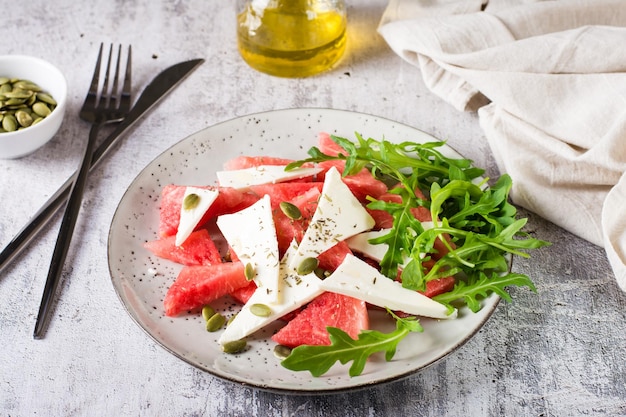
[(548, 79)]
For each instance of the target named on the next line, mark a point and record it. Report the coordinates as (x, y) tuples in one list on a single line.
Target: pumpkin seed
[(4, 80), (18, 93), (249, 272), (27, 85), (23, 118), (321, 273), (41, 109), (46, 98), (14, 101), (207, 312), (191, 201), (236, 346), (215, 322), (291, 210), (9, 123), (281, 351), (260, 310), (307, 266)]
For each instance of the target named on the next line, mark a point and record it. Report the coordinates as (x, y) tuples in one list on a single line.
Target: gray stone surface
[(559, 352)]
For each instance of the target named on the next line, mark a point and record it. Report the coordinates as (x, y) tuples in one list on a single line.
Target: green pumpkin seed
[(191, 201), (27, 85), (321, 273), (18, 93), (215, 322), (233, 347), (13, 101), (23, 118), (281, 351), (249, 272), (46, 98), (260, 310), (307, 266), (207, 312), (290, 210), (4, 80), (9, 123), (41, 109)]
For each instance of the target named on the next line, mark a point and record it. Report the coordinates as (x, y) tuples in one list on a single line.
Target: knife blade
[(158, 88)]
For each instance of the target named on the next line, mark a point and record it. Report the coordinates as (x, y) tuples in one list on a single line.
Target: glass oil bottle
[(291, 38)]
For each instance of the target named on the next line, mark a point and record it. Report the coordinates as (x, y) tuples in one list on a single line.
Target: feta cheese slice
[(252, 235), (263, 174), (338, 216), (297, 290), (189, 217), (355, 278)]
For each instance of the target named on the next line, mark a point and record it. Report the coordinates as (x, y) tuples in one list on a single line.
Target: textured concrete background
[(559, 352)]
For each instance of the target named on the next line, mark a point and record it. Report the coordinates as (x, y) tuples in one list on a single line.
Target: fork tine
[(115, 98), (104, 96), (92, 94), (126, 100)]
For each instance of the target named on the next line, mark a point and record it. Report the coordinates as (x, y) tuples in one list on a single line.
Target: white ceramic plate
[(141, 280)]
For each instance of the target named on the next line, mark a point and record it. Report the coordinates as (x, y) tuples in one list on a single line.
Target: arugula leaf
[(473, 292), (319, 359)]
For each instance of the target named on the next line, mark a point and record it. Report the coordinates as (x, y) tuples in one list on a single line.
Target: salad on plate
[(319, 243)]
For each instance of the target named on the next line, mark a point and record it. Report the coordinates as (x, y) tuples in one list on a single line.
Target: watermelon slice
[(243, 294), (198, 249), (328, 309), (439, 286), (331, 258), (197, 286), (329, 146)]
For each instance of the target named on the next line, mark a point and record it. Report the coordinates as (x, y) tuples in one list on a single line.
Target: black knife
[(160, 86)]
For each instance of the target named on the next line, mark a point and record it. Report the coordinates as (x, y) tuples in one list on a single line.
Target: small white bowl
[(22, 142)]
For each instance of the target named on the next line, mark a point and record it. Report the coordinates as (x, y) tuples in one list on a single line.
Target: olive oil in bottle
[(291, 38)]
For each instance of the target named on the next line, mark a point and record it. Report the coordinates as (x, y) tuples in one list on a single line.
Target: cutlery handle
[(65, 235)]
